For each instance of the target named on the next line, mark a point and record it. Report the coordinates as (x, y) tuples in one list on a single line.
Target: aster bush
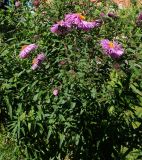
[(69, 87)]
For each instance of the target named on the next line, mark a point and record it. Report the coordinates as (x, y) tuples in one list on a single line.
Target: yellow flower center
[(111, 45), (60, 22), (34, 61), (81, 16), (23, 47)]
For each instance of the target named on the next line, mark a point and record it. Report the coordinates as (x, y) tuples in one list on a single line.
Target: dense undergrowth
[(96, 112)]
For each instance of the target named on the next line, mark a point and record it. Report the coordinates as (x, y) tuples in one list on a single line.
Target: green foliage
[(97, 112), (8, 148)]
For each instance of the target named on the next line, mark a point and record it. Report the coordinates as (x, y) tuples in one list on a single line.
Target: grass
[(8, 148)]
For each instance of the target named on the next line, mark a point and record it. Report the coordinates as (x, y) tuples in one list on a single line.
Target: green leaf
[(62, 138), (93, 92), (136, 124), (49, 133), (29, 126), (136, 90), (77, 138), (9, 107)]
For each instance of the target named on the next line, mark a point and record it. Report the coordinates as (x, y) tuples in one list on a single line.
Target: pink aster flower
[(77, 20), (55, 92), (17, 4), (84, 25), (35, 65), (38, 60), (65, 25), (74, 19), (61, 27), (26, 49), (41, 57), (112, 49)]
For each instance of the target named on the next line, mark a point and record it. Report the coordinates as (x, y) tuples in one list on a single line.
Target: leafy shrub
[(97, 111)]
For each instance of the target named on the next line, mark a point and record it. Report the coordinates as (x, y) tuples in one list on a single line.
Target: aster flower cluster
[(74, 20), (25, 52), (37, 61)]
